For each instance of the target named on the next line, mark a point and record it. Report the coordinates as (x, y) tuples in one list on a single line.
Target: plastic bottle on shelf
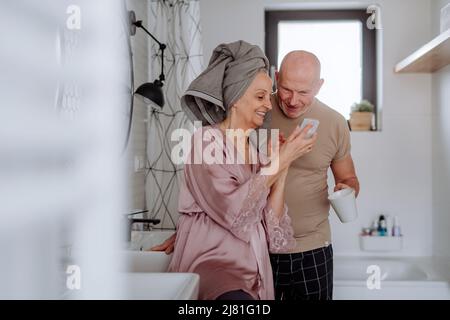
[(389, 226), (374, 228), (382, 227), (396, 231)]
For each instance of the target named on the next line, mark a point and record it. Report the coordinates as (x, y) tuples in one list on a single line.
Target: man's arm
[(345, 175)]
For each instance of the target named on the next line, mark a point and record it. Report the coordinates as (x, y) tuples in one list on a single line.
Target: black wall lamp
[(150, 91)]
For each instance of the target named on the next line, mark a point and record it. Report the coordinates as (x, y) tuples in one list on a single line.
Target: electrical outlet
[(139, 163)]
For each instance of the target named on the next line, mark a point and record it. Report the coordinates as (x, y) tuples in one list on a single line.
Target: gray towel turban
[(230, 71)]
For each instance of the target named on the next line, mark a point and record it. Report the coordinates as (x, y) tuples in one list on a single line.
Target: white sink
[(161, 286), (145, 272), (147, 261), (144, 240)]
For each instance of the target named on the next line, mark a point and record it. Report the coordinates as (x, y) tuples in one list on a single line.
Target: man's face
[(296, 93)]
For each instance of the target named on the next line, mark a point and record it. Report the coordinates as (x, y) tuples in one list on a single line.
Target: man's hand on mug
[(341, 186), (167, 246)]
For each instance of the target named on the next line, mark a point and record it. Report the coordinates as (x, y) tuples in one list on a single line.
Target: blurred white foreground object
[(61, 175)]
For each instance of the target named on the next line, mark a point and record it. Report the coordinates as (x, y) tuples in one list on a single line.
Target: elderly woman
[(232, 214)]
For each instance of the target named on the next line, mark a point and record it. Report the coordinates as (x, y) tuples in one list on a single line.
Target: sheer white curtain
[(177, 24)]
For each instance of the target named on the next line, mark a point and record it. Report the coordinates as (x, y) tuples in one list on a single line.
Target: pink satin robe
[(227, 228)]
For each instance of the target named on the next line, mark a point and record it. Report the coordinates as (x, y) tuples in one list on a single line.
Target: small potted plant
[(361, 116)]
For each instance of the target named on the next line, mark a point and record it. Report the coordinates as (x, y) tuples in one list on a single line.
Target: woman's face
[(252, 107)]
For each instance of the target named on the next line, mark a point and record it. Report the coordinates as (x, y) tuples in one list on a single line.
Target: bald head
[(298, 82), (302, 65)]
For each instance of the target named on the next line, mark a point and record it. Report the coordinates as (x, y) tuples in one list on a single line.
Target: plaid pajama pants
[(303, 276)]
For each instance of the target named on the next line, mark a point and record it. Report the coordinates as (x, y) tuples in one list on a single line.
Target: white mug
[(344, 203)]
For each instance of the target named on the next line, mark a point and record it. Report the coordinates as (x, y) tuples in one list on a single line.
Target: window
[(342, 42)]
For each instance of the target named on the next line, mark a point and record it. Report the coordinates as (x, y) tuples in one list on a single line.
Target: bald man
[(307, 272)]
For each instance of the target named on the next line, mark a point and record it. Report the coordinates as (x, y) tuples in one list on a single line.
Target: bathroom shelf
[(429, 58), (380, 244)]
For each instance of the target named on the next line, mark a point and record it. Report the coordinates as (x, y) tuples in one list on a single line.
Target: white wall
[(231, 20), (441, 148), (138, 138), (394, 166)]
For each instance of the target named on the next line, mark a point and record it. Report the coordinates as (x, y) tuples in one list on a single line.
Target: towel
[(230, 71)]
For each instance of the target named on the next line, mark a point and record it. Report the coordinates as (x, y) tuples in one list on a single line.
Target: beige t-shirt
[(306, 189)]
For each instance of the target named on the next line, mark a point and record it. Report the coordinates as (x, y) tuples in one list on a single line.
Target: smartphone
[(313, 130)]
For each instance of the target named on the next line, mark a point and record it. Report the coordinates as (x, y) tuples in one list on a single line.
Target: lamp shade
[(151, 92)]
